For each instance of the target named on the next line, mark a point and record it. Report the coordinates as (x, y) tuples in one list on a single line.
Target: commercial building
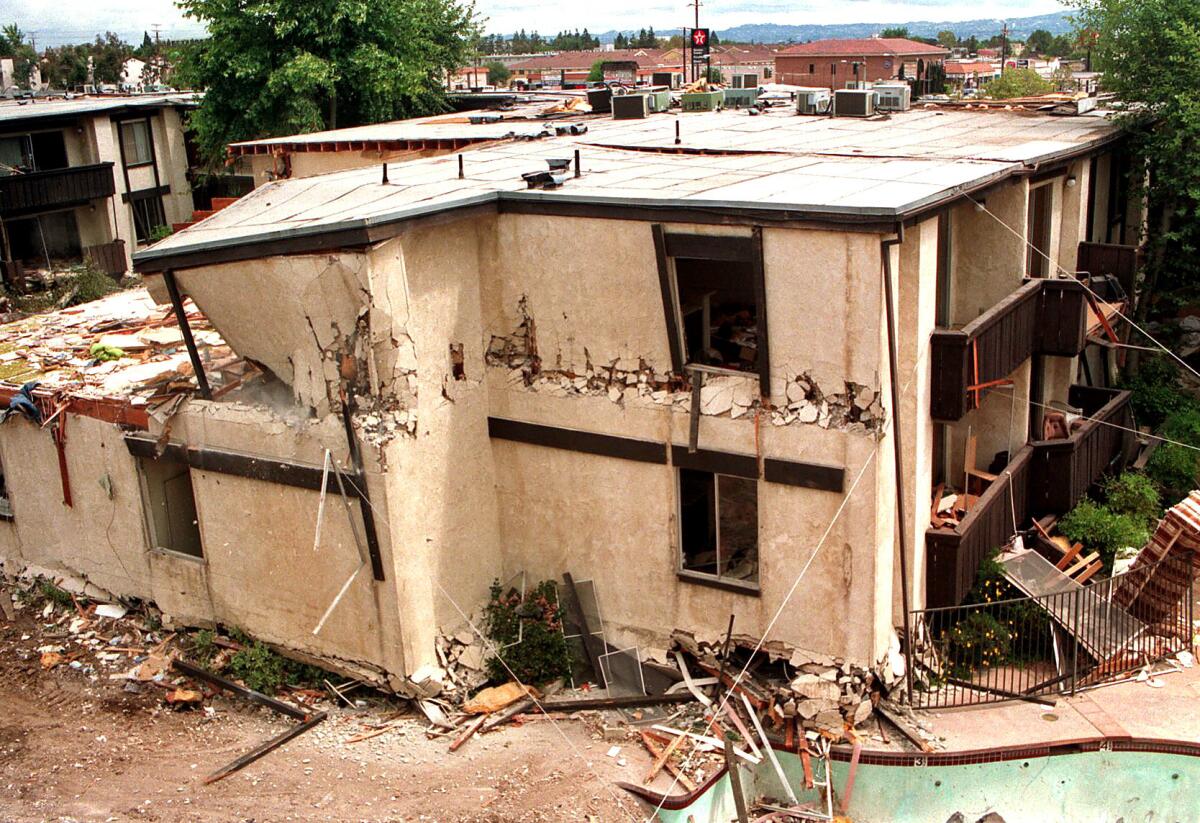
[(835, 63)]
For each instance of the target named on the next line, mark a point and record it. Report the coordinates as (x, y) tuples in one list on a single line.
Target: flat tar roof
[(839, 168)]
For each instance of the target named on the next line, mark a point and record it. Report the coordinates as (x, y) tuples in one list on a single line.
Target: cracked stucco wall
[(591, 290), (318, 322)]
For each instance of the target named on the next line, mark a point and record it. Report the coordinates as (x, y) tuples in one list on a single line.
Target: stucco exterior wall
[(989, 260)]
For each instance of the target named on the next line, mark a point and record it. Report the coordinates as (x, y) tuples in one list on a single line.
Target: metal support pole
[(364, 497), (735, 780), (186, 329), (898, 445), (1075, 650)]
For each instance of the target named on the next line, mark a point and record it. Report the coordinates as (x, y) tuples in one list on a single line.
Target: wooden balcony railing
[(1046, 477), (1110, 258), (1041, 317), (953, 555), (108, 258), (25, 194), (1064, 470)]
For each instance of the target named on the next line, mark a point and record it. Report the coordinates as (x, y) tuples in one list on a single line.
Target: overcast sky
[(56, 21)]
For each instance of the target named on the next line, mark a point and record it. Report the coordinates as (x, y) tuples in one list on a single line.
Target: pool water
[(1089, 787)]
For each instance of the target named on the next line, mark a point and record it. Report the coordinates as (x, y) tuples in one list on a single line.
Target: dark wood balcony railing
[(1041, 317), (1046, 477), (1110, 258), (1064, 470), (26, 194), (108, 258), (953, 555)]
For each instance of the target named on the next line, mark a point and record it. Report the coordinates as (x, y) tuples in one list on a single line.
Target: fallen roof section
[(773, 167), (67, 353)]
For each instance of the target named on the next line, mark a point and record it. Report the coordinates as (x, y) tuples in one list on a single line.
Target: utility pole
[(1004, 47)]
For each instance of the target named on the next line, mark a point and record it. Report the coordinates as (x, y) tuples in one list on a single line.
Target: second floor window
[(135, 143)]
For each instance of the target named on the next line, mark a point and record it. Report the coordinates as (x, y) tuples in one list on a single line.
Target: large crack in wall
[(851, 407)]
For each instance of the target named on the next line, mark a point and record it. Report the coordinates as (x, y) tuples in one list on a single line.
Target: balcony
[(1041, 317), (1045, 477), (953, 555), (1063, 470), (40, 191)]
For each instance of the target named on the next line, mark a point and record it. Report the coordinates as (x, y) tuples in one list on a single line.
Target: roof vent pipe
[(460, 167), (677, 140), (385, 178)]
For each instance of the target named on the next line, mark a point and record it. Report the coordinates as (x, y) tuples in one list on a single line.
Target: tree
[(498, 73), (109, 54), (596, 74), (1147, 51), (971, 44), (947, 39), (13, 44), (1041, 42), (895, 31), (1018, 83), (291, 66)]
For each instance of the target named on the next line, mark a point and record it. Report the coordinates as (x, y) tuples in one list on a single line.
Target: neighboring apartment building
[(970, 74), (91, 177), (834, 63), (668, 375)]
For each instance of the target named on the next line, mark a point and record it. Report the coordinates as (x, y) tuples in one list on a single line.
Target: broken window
[(715, 300), (718, 525), (170, 506), (148, 214)]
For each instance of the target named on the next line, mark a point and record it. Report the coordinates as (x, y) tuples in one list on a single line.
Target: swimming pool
[(1094, 781)]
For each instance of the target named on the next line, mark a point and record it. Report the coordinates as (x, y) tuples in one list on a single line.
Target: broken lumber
[(689, 683), (472, 727), (904, 730), (307, 721), (710, 741), (787, 787), (661, 759), (507, 714), (629, 702), (735, 781), (656, 750)]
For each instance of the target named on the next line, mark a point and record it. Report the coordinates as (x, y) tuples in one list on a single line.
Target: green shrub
[(978, 641), (535, 620), (1134, 494), (204, 647), (1102, 530), (1174, 469), (1156, 392), (1018, 83), (262, 669)]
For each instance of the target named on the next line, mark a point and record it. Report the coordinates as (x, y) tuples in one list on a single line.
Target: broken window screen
[(719, 313), (718, 520), (171, 506)]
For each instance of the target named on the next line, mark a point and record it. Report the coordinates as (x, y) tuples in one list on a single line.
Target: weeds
[(527, 631), (56, 595)]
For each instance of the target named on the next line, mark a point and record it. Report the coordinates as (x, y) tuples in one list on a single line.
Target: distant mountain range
[(1019, 28)]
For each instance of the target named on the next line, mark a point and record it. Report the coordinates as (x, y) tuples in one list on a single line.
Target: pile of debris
[(122, 345)]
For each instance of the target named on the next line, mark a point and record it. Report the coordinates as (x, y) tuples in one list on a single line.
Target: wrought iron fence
[(1038, 648)]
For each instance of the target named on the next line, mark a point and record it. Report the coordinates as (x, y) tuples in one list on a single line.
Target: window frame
[(712, 247), (717, 465), (132, 123), (138, 200), (153, 539)]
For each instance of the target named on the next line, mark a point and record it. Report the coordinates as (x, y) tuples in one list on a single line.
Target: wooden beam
[(806, 475), (605, 445)]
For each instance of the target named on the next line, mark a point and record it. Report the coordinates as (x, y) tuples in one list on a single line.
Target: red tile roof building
[(574, 65), (833, 63)]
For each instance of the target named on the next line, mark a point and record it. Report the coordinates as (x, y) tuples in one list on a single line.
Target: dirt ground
[(77, 744)]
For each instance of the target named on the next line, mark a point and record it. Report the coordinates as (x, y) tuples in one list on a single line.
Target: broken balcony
[(1044, 477), (1041, 317), (40, 191)]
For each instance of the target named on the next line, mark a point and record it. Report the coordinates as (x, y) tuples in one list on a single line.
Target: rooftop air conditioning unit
[(813, 101), (893, 96), (853, 103), (630, 107), (857, 84)]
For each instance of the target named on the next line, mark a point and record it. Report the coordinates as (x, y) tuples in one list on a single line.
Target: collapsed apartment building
[(654, 355)]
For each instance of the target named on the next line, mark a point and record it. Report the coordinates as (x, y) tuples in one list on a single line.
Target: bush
[(1174, 469), (535, 621), (1134, 494), (1102, 530), (1156, 392), (1018, 83), (262, 669), (979, 641)]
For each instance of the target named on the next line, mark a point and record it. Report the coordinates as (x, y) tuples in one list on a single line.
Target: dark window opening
[(148, 215), (718, 525), (49, 150), (812, 68), (1039, 232), (171, 506), (135, 143), (55, 234), (945, 294), (718, 308), (16, 155), (6, 511), (833, 68), (457, 363)]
